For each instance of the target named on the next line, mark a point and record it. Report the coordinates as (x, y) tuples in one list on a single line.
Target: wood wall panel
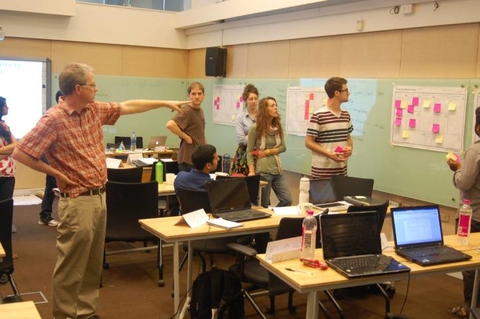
[(154, 62), (196, 63), (375, 55), (25, 48), (237, 61), (268, 60), (440, 52), (318, 57)]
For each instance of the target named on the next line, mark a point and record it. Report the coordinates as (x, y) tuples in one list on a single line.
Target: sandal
[(458, 312)]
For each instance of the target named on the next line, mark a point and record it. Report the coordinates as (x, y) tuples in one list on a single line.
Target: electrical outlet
[(406, 8), (393, 204)]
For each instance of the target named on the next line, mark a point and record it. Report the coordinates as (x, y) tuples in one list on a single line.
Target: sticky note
[(436, 128), (399, 112), (415, 101), (232, 117), (451, 156), (398, 104), (406, 134), (324, 101), (398, 121), (403, 105), (437, 107), (339, 149), (238, 104), (426, 104), (410, 109), (412, 123), (439, 139), (452, 106), (311, 96)]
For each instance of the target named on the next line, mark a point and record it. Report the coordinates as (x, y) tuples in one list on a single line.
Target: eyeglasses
[(345, 90), (92, 85)]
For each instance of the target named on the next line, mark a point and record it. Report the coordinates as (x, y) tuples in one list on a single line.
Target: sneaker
[(51, 222)]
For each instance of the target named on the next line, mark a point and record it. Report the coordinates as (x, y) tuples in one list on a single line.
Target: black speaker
[(216, 62)]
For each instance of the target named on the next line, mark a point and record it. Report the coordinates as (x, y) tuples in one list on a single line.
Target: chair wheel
[(161, 283)]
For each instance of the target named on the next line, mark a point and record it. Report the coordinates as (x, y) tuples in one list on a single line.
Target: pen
[(298, 270)]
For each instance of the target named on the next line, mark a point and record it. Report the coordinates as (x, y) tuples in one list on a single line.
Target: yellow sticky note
[(406, 134), (311, 110), (439, 139), (232, 117), (426, 104), (451, 156), (403, 105), (452, 106), (324, 101)]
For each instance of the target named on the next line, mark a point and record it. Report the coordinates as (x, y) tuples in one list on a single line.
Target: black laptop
[(363, 200), (352, 246), (229, 200), (322, 195), (418, 236)]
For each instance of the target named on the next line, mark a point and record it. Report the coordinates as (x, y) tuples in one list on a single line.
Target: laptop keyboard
[(375, 262), (430, 251)]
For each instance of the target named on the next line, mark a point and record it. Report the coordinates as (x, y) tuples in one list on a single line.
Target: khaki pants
[(80, 243)]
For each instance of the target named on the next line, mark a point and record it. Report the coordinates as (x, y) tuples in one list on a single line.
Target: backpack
[(217, 289)]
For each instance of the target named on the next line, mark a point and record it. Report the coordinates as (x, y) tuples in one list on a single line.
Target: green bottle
[(159, 172)]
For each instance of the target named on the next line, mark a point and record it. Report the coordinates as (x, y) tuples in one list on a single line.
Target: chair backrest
[(292, 227), (126, 204), (6, 217), (381, 210), (126, 141), (352, 186), (125, 175), (191, 200)]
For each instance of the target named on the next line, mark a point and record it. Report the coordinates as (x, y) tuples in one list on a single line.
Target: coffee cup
[(169, 178)]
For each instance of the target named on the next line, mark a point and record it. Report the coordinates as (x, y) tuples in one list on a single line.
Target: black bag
[(217, 289)]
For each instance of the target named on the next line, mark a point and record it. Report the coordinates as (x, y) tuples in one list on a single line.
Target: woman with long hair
[(7, 164), (266, 142)]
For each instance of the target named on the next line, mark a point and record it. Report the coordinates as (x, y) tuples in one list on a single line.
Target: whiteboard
[(227, 103), (476, 104), (430, 118), (302, 102)]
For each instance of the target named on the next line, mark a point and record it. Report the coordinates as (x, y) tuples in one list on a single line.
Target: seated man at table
[(205, 161)]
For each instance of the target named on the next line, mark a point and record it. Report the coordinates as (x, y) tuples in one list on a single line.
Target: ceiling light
[(2, 34)]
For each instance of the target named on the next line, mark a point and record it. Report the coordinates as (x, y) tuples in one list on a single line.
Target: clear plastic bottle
[(309, 236), (464, 222), (304, 188), (133, 142)]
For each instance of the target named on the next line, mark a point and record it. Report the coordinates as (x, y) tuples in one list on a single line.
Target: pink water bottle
[(464, 222)]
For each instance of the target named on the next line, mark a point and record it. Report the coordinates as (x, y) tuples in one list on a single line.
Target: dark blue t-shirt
[(192, 180)]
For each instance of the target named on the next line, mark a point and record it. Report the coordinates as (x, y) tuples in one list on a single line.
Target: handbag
[(240, 165)]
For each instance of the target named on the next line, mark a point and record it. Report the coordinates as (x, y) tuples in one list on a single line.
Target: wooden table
[(166, 229), (2, 252), (19, 310), (330, 279)]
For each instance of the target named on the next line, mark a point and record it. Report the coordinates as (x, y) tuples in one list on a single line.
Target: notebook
[(362, 200), (418, 236), (156, 141), (352, 246), (229, 200), (322, 195)]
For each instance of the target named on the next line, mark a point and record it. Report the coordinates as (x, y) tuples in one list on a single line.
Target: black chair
[(126, 204), (381, 210), (352, 186), (125, 175), (6, 263), (126, 141)]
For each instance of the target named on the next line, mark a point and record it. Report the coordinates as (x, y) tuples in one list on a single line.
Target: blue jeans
[(280, 187)]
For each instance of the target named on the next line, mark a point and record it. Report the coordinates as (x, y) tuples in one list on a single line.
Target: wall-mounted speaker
[(216, 61)]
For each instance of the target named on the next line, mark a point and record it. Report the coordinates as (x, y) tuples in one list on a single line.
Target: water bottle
[(159, 172), (133, 142), (304, 188), (464, 222), (309, 236), (226, 163)]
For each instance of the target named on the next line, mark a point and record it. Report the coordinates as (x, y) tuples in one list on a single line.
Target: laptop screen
[(419, 225), (228, 194), (350, 234), (321, 191)]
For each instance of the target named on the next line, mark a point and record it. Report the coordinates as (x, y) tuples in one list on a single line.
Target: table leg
[(473, 303), (312, 305), (176, 277)]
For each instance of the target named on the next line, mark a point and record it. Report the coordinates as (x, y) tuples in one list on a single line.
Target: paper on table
[(223, 223), (286, 210), (283, 249), (194, 219), (148, 160), (113, 162)]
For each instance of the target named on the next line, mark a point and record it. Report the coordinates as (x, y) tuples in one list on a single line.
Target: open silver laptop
[(156, 141)]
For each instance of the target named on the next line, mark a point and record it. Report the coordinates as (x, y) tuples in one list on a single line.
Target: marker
[(298, 270)]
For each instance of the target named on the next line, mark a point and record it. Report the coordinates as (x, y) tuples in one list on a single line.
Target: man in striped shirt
[(328, 133), (71, 136)]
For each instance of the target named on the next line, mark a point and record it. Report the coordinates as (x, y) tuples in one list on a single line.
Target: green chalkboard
[(414, 173)]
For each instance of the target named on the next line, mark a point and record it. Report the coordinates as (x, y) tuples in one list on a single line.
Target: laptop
[(362, 200), (322, 195), (229, 200), (156, 141), (418, 236), (352, 246)]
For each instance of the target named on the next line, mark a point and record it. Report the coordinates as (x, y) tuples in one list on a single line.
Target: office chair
[(381, 210), (125, 175), (6, 263), (352, 186), (126, 141), (126, 204)]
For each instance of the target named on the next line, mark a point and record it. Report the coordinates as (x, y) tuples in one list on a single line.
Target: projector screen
[(26, 84)]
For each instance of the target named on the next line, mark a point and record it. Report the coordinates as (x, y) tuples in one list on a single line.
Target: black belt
[(90, 192)]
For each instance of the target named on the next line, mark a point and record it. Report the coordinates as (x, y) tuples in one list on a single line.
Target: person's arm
[(8, 150), (139, 106), (315, 147), (348, 150), (175, 129), (273, 151), (252, 137), (241, 137), (467, 173), (40, 166)]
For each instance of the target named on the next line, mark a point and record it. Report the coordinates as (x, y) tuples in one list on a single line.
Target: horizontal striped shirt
[(73, 142), (330, 131)]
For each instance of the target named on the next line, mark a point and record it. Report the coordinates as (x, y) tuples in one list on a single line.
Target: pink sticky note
[(437, 107), (436, 128), (398, 104), (306, 113), (398, 121), (241, 99), (339, 149), (415, 101), (410, 109), (238, 104), (412, 123), (399, 112), (311, 97)]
